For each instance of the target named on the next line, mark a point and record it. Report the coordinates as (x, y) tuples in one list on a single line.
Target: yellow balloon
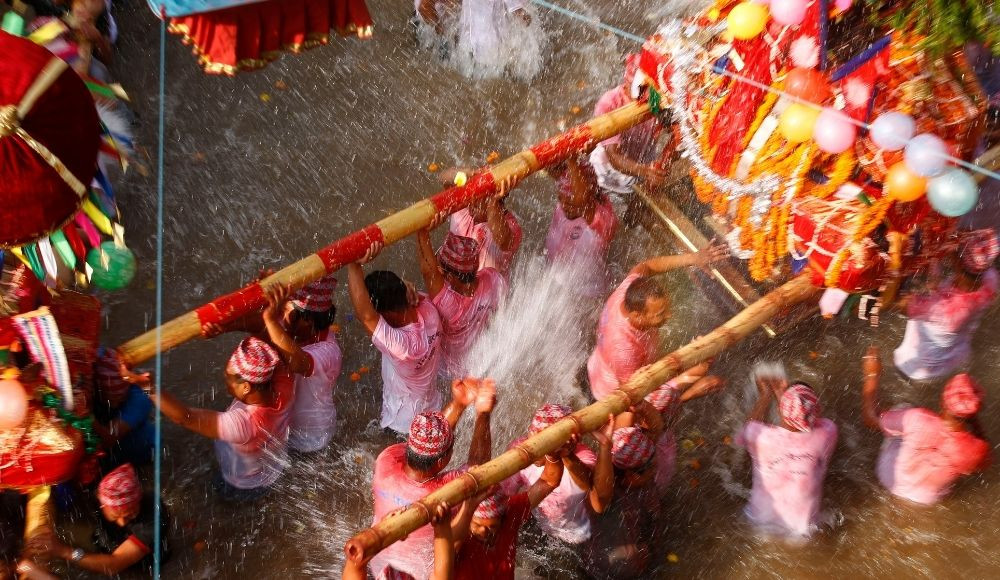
[(796, 123), (747, 20)]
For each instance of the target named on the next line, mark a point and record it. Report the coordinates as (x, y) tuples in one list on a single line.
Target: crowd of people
[(598, 500)]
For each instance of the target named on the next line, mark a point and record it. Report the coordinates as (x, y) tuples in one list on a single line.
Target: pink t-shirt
[(410, 360), (464, 318), (564, 513), (392, 490), (583, 245), (620, 349), (636, 142), (788, 472), (938, 338), (314, 416), (252, 447), (490, 254), (922, 458)]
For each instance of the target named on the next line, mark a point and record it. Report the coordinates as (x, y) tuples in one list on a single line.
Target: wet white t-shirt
[(410, 359), (563, 514), (465, 317), (314, 416), (788, 472)]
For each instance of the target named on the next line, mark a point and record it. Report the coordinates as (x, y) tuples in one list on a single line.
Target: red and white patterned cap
[(459, 254), (317, 296), (108, 372), (979, 250), (254, 360), (631, 448), (547, 415), (120, 488), (430, 435), (799, 406), (962, 396), (493, 507), (666, 398)]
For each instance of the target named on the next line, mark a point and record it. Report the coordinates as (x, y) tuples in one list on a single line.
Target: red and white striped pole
[(387, 231)]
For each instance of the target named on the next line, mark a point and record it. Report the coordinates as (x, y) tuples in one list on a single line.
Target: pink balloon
[(843, 5), (789, 12), (13, 404), (833, 133)]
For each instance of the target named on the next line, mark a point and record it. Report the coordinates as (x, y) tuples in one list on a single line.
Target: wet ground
[(258, 176)]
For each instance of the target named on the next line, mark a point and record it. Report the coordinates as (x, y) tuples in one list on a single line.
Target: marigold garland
[(869, 221)]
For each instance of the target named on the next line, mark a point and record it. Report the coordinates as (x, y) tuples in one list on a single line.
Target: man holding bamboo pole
[(406, 472), (628, 330)]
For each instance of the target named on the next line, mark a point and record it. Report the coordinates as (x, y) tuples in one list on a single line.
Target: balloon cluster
[(924, 170)]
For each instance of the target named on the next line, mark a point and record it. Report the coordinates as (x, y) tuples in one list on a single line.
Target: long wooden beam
[(387, 231), (369, 542)]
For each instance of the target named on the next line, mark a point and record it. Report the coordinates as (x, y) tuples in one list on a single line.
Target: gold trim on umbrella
[(11, 117)]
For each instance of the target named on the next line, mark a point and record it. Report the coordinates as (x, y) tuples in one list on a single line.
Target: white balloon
[(891, 131)]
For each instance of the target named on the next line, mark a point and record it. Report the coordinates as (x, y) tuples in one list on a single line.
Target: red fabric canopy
[(34, 198), (248, 37)]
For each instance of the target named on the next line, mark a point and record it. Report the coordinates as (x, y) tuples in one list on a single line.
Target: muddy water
[(258, 176)]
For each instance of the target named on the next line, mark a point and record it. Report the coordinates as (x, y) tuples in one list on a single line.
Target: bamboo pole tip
[(361, 547)]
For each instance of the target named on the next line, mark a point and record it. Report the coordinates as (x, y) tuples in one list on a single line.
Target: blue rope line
[(158, 367), (590, 20)]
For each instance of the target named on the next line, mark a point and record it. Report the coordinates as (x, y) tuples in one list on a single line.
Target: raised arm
[(765, 394), (651, 174), (581, 473), (496, 216), (429, 264), (362, 302), (444, 548), (482, 440), (547, 481), (872, 368), (604, 474), (706, 256), (299, 362), (463, 394)]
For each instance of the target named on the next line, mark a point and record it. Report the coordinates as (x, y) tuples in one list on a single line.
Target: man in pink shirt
[(938, 338), (623, 160), (789, 460), (489, 222), (466, 296), (628, 330), (925, 452), (251, 436), (565, 514), (406, 472), (298, 327), (409, 338), (583, 225)]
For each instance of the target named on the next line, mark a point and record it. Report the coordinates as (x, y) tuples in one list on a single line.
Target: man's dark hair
[(420, 462), (463, 277), (641, 290), (319, 320), (386, 290)]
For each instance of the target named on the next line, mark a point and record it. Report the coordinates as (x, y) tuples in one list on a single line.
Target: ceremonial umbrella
[(230, 36), (49, 141)]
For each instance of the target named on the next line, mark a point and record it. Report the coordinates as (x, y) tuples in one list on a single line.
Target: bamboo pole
[(363, 546), (384, 232)]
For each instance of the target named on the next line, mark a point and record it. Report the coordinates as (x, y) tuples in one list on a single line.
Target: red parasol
[(49, 140)]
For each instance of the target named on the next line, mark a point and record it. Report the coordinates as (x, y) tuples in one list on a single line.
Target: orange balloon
[(903, 184), (807, 84)]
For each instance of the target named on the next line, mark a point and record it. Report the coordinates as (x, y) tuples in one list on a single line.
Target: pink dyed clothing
[(252, 447), (410, 360), (490, 256), (584, 245), (314, 416), (563, 514), (464, 318), (938, 338), (392, 490), (922, 458), (620, 349), (788, 472), (637, 143)]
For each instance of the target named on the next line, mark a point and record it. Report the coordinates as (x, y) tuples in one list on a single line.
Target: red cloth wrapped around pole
[(249, 36)]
